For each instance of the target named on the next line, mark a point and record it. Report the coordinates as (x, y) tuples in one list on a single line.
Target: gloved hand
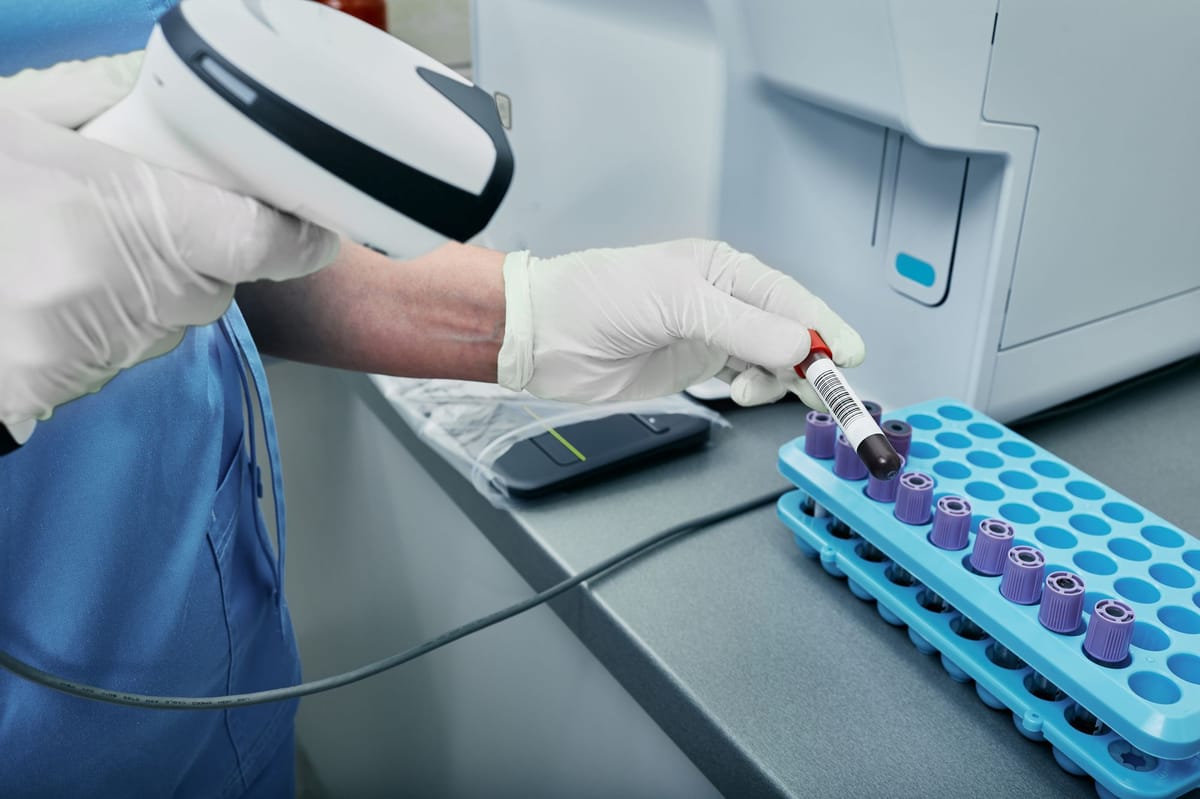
[(647, 321), (104, 259)]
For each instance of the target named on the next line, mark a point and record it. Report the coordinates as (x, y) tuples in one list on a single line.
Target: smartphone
[(578, 453)]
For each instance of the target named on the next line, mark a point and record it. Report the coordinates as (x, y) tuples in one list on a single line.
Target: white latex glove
[(648, 321), (104, 259)]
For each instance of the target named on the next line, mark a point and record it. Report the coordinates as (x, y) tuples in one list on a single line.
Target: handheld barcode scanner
[(319, 114), (872, 446)]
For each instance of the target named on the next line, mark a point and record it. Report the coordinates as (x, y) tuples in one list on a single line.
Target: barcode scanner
[(860, 429)]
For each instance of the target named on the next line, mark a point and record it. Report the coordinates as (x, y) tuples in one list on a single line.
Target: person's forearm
[(440, 315)]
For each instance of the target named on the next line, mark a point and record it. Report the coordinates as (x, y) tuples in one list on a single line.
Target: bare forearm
[(440, 315)]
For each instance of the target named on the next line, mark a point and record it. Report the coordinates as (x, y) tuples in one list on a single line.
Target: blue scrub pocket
[(262, 652)]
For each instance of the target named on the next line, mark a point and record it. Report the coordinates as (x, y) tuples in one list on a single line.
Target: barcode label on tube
[(841, 401)]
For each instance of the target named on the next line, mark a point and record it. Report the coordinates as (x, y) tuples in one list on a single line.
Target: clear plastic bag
[(473, 424)]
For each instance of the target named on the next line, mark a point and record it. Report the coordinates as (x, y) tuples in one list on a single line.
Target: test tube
[(1062, 602), (1021, 581), (992, 543), (820, 432), (899, 433), (846, 463), (861, 431), (1109, 632), (913, 498), (951, 523)]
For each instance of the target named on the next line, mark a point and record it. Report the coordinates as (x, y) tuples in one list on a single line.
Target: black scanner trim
[(440, 206)]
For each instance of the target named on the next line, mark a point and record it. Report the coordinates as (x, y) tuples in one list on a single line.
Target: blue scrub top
[(133, 553)]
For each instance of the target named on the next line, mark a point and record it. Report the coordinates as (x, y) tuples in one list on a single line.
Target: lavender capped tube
[(914, 497), (883, 490), (820, 434), (951, 523), (874, 409), (992, 542), (1024, 571), (846, 463), (1062, 602), (1109, 632), (899, 433)]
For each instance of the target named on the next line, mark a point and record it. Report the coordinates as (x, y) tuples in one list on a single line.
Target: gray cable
[(36, 675)]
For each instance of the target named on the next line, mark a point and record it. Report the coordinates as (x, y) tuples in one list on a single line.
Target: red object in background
[(370, 11)]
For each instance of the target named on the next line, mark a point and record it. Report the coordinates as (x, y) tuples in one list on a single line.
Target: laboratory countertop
[(765, 671)]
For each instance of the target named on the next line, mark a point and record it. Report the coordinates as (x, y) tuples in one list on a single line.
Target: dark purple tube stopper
[(951, 523), (1024, 571), (992, 542), (846, 463), (1062, 602), (884, 490), (1109, 632), (875, 409), (820, 432), (899, 433), (914, 496)]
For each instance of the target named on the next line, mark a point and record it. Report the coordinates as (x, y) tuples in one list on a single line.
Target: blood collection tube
[(860, 429)]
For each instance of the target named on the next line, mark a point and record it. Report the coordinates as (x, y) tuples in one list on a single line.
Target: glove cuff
[(514, 365)]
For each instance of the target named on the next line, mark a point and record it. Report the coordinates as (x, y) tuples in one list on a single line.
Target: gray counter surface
[(765, 671)]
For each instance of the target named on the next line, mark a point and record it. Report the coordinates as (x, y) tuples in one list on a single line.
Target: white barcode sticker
[(843, 404)]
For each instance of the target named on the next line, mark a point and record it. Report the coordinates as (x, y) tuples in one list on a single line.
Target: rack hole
[(1162, 536), (1131, 757), (953, 440), (869, 552), (839, 529), (1153, 687), (1016, 449), (1055, 537), (985, 460), (952, 470), (1094, 562), (923, 421), (1129, 549), (965, 628), (1042, 688), (1003, 657), (1171, 575), (1185, 667), (900, 576), (1018, 513), (933, 602), (1137, 590), (1051, 501), (919, 449), (1179, 619), (984, 430), (1090, 525), (1049, 469), (984, 491), (1017, 480), (1148, 637), (1084, 721), (954, 412), (1088, 491), (1122, 512)]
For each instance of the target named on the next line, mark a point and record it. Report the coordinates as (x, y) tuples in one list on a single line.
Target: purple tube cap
[(992, 542), (1024, 571), (846, 463), (951, 523), (884, 490), (1061, 610), (899, 433), (1109, 632), (820, 433), (914, 496)]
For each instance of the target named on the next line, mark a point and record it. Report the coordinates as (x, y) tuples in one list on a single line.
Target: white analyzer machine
[(1001, 195)]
